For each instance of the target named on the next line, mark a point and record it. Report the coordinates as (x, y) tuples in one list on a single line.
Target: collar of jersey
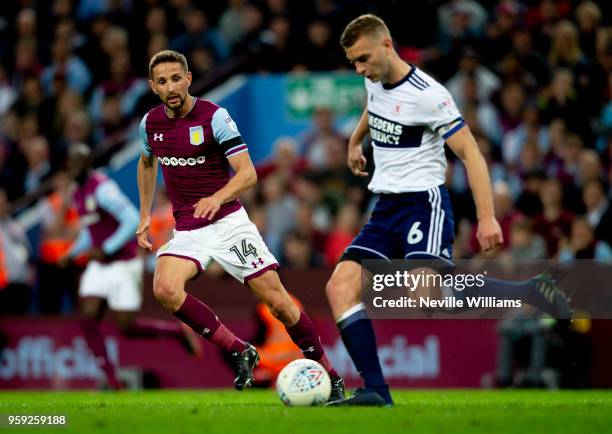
[(403, 80)]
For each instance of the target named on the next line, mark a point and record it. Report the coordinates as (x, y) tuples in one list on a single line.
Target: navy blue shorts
[(407, 225)]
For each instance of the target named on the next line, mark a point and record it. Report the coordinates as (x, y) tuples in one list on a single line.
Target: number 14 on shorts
[(245, 250)]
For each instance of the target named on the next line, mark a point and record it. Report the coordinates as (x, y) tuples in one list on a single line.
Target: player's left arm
[(235, 150), (464, 145), (110, 198)]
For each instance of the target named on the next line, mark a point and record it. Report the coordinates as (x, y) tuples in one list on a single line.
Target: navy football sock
[(360, 342)]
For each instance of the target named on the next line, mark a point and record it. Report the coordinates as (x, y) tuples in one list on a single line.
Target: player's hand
[(356, 160), (489, 234), (96, 254), (142, 234), (207, 207)]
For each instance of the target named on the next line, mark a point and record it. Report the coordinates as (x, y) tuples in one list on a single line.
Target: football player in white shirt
[(409, 118)]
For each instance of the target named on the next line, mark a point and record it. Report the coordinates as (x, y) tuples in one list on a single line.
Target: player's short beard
[(181, 103)]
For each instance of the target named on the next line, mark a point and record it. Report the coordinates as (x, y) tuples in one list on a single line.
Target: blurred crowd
[(532, 78)]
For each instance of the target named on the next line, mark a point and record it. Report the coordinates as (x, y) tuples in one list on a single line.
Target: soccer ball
[(303, 382)]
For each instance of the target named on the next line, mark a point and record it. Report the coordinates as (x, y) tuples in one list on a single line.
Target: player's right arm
[(356, 160), (439, 111), (147, 176)]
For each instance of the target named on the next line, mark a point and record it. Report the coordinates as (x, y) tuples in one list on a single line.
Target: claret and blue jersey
[(108, 219), (193, 152)]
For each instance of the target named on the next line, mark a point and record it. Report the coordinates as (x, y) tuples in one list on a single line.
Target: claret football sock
[(142, 327), (305, 336), (204, 322), (327, 364), (360, 342), (225, 339), (95, 341), (152, 327)]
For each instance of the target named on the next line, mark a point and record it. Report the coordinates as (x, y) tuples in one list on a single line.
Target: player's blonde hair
[(368, 25), (165, 56)]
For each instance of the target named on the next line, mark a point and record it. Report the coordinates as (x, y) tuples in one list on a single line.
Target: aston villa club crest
[(90, 203), (196, 135)]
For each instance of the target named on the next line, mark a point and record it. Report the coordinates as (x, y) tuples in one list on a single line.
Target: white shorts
[(233, 242), (118, 282)]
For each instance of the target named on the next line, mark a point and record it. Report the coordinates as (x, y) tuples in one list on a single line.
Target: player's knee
[(331, 288), (167, 292), (335, 289), (341, 294)]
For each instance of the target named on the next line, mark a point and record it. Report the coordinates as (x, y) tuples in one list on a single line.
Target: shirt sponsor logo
[(196, 135), (392, 134), (384, 131), (173, 161)]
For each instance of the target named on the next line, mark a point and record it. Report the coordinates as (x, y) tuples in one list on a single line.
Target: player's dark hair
[(367, 24), (167, 56)]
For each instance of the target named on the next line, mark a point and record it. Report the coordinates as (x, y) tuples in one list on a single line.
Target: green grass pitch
[(258, 411)]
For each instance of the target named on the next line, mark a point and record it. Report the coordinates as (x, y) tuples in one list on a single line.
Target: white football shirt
[(409, 122)]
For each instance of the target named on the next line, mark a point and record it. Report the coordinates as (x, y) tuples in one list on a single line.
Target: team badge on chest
[(196, 135), (90, 203)]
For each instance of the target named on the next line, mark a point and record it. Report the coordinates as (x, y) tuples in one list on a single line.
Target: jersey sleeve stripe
[(231, 143), (451, 122), (236, 150), (454, 130)]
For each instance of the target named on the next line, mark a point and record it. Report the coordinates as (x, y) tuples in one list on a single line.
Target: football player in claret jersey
[(409, 117), (113, 276), (196, 142)]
